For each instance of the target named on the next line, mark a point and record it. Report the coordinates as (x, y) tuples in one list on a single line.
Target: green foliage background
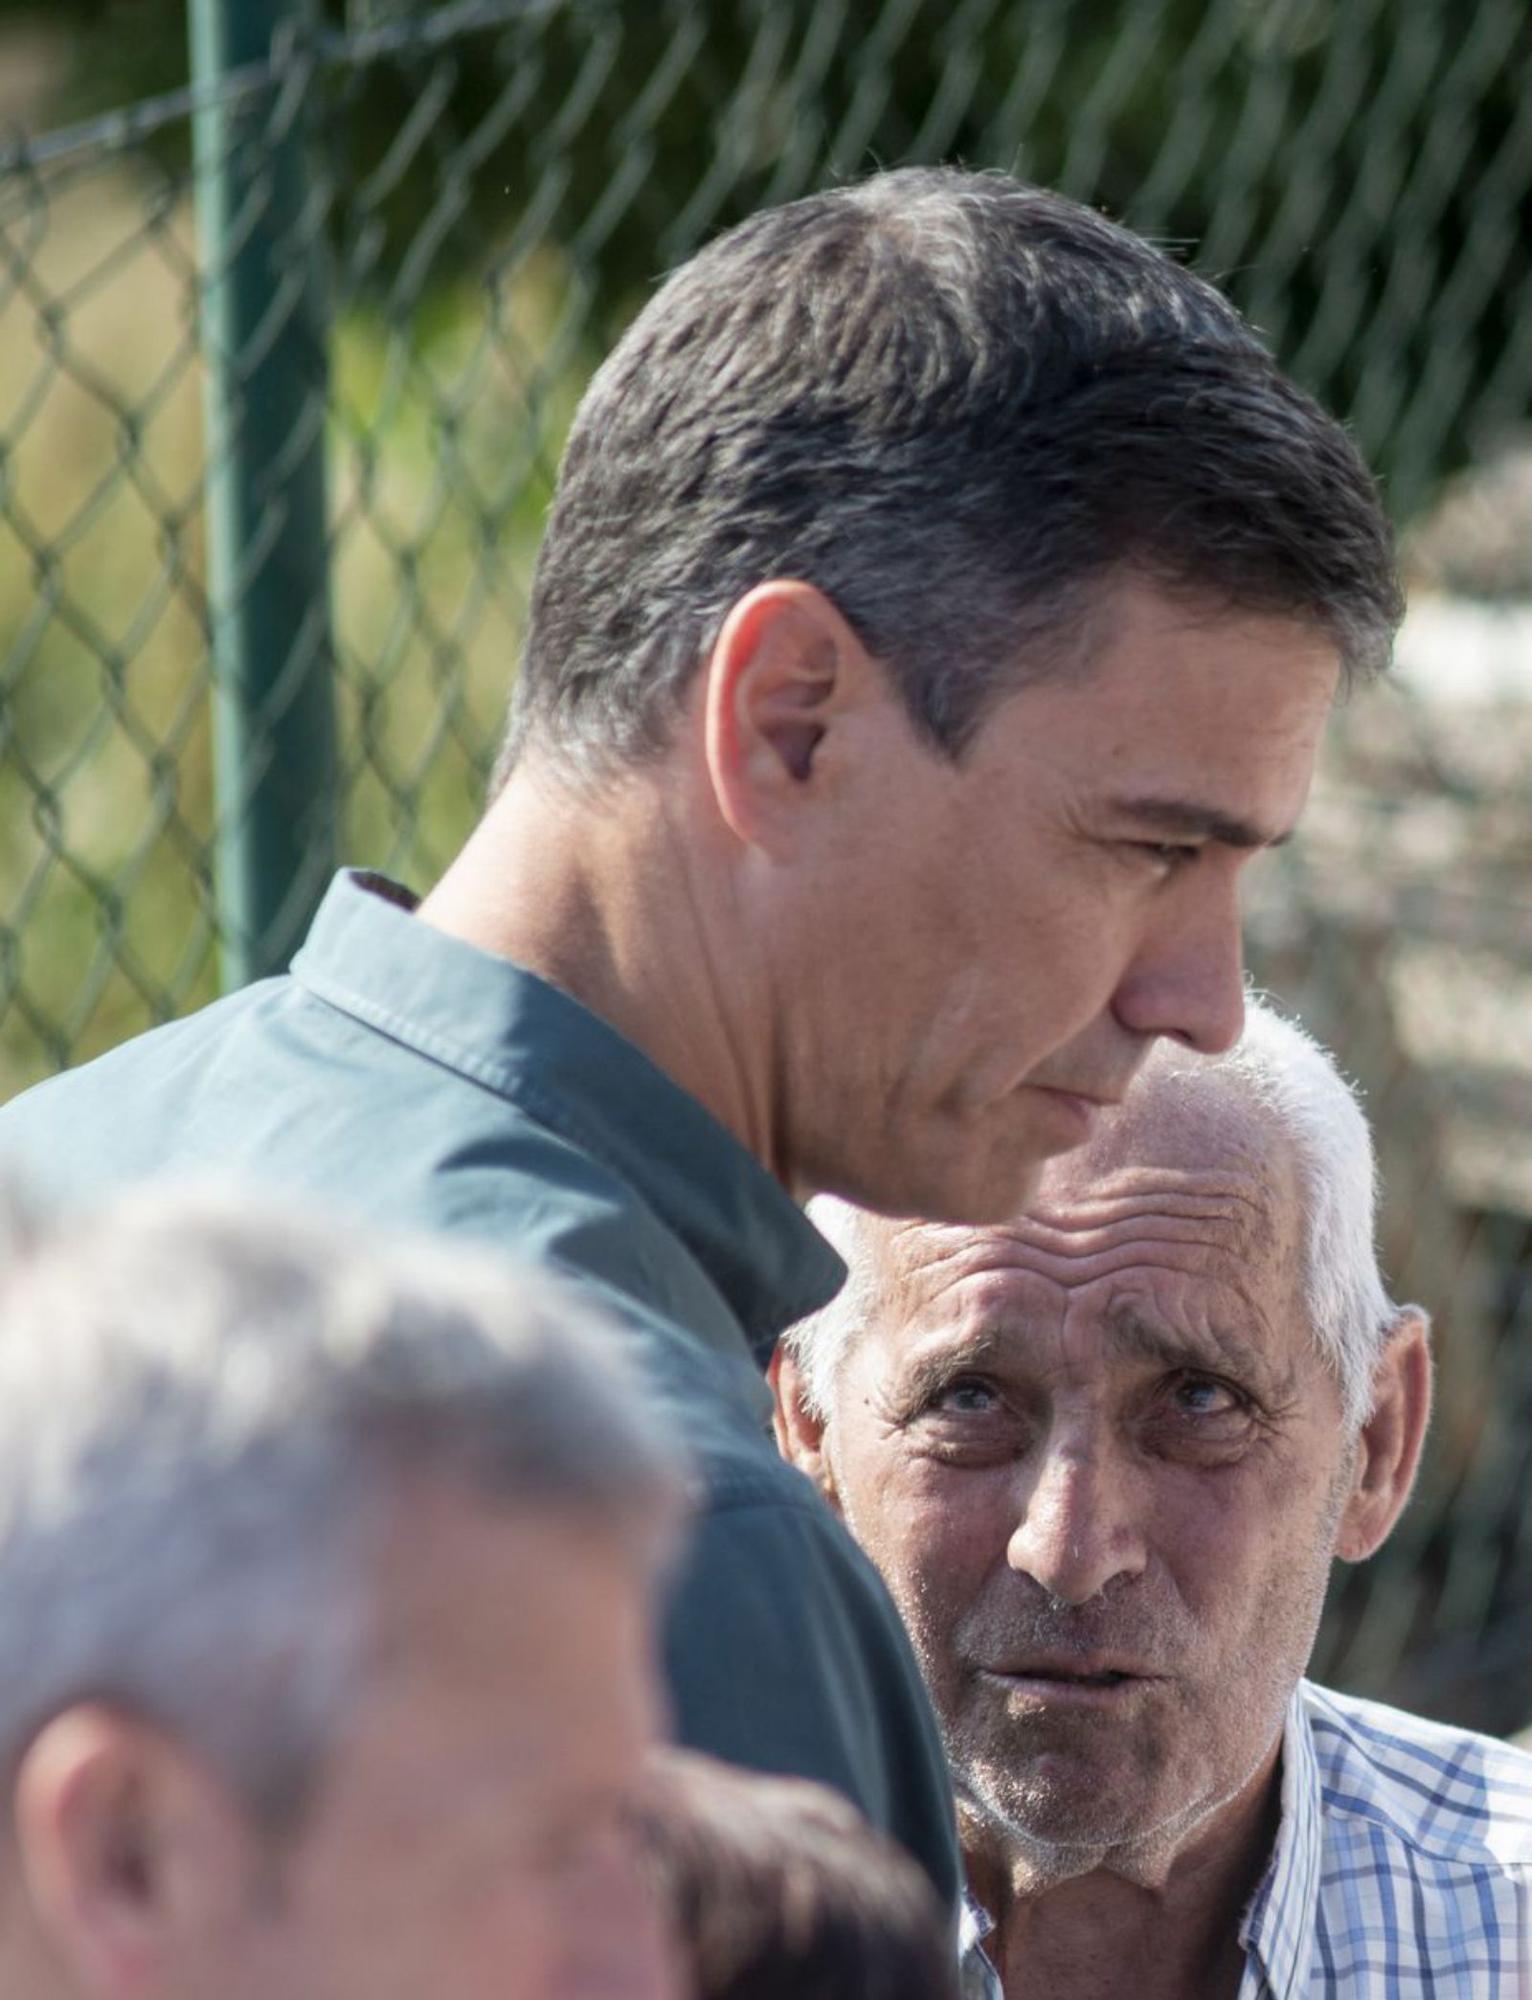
[(1343, 166), (494, 203)]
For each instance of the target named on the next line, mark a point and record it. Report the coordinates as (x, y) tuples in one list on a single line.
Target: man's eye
[(1167, 855), (1201, 1396), (967, 1423), (965, 1399)]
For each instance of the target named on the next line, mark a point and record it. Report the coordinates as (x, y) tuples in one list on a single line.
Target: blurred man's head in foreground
[(1106, 1454), (325, 1578)]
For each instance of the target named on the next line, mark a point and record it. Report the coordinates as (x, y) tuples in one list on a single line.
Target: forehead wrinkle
[(929, 1258), (1214, 1227), (993, 1325), (1139, 1333), (917, 1245), (967, 1275), (1226, 1212), (1001, 1289)]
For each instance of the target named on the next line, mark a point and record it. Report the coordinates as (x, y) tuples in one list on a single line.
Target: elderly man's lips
[(1072, 1681), (1071, 1689), (1073, 1666)]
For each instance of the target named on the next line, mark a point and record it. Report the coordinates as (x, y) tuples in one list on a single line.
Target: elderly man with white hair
[(325, 1579), (1105, 1457)]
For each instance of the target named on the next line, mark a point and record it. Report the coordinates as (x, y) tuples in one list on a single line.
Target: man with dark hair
[(942, 602), (958, 407)]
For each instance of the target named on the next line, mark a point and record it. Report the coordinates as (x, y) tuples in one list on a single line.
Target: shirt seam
[(511, 1082), (515, 1086)]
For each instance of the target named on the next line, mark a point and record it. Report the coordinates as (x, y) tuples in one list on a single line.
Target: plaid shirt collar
[(1278, 1928), (977, 1977), (1402, 1865)]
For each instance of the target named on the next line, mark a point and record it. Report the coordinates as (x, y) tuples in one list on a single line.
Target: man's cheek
[(948, 1599)]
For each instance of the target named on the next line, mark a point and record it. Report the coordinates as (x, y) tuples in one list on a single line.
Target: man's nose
[(1081, 1524), (1187, 979)]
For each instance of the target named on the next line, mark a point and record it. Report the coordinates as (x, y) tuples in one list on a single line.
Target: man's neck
[(1147, 1931), (597, 892)]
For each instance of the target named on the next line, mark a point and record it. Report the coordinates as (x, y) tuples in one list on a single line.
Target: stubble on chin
[(1035, 1838), (1042, 1828), (997, 1841)]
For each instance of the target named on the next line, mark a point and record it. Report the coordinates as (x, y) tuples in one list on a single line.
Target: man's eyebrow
[(1187, 818), (935, 1365), (1145, 1337)]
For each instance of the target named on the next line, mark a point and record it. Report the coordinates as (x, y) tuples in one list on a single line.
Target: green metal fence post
[(265, 338)]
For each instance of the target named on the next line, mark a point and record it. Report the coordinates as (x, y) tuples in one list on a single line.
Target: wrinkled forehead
[(1190, 1197)]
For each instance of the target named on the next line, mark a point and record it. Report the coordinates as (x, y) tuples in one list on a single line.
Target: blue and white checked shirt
[(1402, 1868)]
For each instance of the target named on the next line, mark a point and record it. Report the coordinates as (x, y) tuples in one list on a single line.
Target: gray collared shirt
[(403, 1076)]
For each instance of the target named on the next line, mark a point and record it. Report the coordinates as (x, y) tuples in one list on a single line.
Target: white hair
[(1287, 1080), (202, 1401), (1290, 1080)]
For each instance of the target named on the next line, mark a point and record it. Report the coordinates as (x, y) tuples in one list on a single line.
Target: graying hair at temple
[(956, 405)]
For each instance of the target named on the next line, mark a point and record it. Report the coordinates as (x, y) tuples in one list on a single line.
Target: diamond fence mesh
[(478, 196)]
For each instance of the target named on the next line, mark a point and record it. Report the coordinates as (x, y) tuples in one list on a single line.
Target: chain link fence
[(441, 216)]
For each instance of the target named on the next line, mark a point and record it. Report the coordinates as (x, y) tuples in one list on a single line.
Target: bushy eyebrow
[(936, 1367), (1198, 822), (1133, 1331)]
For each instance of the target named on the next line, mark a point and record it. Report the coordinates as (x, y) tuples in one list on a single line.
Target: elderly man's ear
[(800, 1433), (1388, 1450)]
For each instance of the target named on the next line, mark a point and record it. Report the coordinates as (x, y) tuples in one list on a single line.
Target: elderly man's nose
[(1079, 1526)]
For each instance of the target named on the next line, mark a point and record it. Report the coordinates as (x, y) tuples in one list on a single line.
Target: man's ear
[(121, 1840), (1388, 1450), (800, 1433), (785, 667)]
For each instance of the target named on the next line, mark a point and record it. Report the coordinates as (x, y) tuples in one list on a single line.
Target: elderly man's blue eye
[(1206, 1399), (965, 1397)]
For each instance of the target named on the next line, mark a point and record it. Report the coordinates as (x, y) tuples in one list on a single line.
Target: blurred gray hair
[(204, 1399), (1286, 1080)]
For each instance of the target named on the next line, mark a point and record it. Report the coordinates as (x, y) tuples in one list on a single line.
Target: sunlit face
[(992, 945), (468, 1836), (1102, 1467)]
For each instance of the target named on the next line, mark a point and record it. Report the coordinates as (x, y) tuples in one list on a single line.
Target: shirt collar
[(541, 1050), (977, 1977), (1278, 1927)]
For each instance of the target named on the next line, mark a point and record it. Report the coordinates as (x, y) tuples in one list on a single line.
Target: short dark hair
[(777, 1886), (955, 404)]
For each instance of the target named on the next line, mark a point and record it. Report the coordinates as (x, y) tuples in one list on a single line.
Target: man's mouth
[(1110, 1677), (1052, 1679)]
